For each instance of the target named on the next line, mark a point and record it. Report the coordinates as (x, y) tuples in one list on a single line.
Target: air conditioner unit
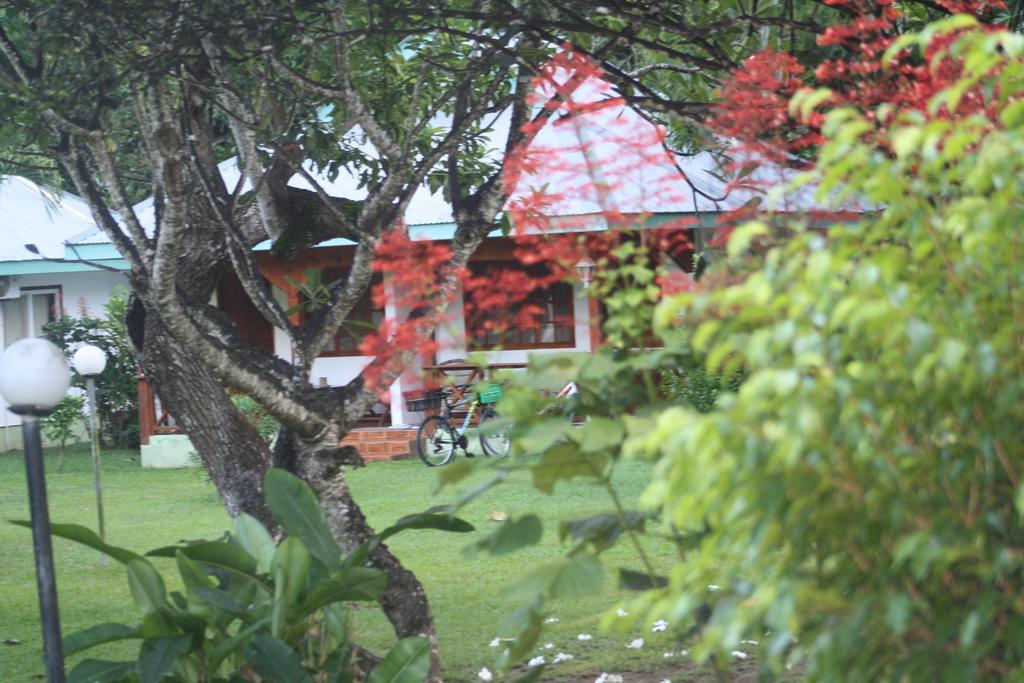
[(9, 289)]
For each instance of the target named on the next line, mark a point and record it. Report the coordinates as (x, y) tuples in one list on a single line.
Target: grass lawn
[(149, 508)]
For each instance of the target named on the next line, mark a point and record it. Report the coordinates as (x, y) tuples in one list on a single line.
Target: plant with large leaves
[(252, 609)]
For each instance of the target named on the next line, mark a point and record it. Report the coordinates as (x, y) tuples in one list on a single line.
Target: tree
[(173, 88)]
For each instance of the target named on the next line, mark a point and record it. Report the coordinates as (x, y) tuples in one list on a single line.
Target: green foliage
[(692, 384), (852, 498), (249, 607), (871, 463), (61, 424), (257, 416), (116, 392)]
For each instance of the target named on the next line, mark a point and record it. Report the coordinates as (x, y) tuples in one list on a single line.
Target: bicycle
[(437, 438)]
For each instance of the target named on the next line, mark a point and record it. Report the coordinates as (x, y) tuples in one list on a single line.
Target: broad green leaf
[(157, 655), (528, 632), (569, 577), (222, 554), (599, 434), (512, 535), (601, 530), (98, 635), (226, 648), (220, 599), (290, 567), (543, 435), (146, 586), (640, 581), (407, 662), (99, 671), (255, 540), (353, 584), (566, 461), (87, 537), (273, 659), (192, 574), (428, 520), (299, 513)]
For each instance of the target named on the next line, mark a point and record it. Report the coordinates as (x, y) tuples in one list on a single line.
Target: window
[(364, 317), (496, 316), (25, 316)]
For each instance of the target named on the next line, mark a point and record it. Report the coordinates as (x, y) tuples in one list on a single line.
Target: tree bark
[(233, 453), (320, 464), (237, 459)]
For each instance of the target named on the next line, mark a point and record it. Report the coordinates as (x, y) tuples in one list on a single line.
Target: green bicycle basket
[(491, 393)]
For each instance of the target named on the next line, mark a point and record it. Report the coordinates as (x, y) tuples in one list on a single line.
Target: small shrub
[(116, 390), (61, 425)]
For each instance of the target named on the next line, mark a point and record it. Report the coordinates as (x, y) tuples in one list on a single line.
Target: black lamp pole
[(34, 377), (46, 581)]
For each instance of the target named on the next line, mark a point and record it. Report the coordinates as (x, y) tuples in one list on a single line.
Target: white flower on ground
[(496, 642), (621, 613), (561, 657), (748, 642), (551, 620), (584, 636), (714, 587), (669, 654), (549, 646), (684, 653), (536, 661), (485, 674), (636, 644), (739, 654), (659, 625), (606, 677)]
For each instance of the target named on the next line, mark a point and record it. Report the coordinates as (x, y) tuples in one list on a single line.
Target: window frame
[(476, 339), (28, 314)]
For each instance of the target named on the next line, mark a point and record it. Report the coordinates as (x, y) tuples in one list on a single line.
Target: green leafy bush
[(859, 499), (253, 610), (116, 390), (855, 506)]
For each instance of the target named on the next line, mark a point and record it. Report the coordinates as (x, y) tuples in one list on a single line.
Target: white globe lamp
[(34, 377), (89, 360)]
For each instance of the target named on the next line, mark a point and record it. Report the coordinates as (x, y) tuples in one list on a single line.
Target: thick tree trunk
[(237, 459), (234, 454), (320, 464)]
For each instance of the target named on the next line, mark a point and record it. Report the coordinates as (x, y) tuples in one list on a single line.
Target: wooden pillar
[(594, 320)]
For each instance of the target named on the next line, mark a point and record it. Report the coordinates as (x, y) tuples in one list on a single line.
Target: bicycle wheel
[(436, 441), (494, 438)]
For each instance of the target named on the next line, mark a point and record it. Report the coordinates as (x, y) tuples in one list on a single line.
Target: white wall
[(88, 289)]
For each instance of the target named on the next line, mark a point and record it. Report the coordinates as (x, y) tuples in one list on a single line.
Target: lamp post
[(34, 377), (585, 269), (89, 361)]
